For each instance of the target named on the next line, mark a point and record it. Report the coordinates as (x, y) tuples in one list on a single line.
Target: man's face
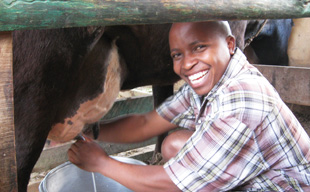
[(200, 54)]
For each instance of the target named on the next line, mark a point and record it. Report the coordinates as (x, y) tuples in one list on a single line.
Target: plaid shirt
[(245, 138)]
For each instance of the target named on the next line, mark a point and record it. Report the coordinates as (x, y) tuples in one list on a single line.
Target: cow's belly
[(93, 110)]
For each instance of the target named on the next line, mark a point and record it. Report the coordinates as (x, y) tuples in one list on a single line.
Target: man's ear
[(231, 43)]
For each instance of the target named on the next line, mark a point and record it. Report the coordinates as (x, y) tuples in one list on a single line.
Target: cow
[(270, 45), (66, 79)]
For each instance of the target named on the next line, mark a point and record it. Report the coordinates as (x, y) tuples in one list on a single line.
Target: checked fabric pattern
[(245, 139)]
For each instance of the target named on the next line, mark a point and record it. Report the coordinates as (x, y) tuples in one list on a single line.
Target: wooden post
[(8, 173)]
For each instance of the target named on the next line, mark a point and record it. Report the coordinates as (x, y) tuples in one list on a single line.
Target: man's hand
[(87, 155)]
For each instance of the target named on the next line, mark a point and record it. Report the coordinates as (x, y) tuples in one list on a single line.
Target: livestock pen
[(293, 83)]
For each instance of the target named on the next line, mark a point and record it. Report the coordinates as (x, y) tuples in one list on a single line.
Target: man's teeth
[(198, 76)]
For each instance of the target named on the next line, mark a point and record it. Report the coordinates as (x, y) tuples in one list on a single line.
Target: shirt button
[(199, 121)]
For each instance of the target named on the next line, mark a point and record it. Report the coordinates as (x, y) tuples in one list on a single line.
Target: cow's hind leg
[(28, 146)]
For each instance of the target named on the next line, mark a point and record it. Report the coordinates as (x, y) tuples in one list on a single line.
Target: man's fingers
[(72, 157), (75, 147)]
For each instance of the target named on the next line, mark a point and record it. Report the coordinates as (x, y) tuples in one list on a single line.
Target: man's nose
[(189, 62)]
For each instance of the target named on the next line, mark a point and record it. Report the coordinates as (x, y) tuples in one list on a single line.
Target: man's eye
[(175, 55), (199, 47)]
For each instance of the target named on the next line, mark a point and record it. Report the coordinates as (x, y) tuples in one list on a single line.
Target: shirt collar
[(235, 65)]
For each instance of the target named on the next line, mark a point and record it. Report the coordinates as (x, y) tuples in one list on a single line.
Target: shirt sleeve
[(177, 109), (217, 157)]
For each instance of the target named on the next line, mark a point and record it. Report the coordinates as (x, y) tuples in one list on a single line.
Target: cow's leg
[(28, 151), (160, 93), (33, 119)]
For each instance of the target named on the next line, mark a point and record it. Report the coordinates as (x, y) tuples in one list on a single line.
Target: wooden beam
[(38, 14), (292, 83), (8, 178)]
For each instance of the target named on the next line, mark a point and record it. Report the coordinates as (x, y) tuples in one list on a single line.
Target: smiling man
[(239, 134), (200, 56)]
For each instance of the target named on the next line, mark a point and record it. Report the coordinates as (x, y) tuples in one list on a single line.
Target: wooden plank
[(31, 14), (292, 83), (8, 178), (130, 105)]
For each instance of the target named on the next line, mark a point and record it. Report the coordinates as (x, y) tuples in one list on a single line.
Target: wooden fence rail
[(35, 14), (292, 83)]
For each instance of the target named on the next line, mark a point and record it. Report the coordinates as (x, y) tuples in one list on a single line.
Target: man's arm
[(134, 128)]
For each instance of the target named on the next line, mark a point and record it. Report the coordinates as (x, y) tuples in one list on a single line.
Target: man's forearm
[(123, 130), (134, 128)]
